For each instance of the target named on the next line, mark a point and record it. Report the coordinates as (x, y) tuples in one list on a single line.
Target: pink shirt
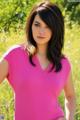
[(36, 90)]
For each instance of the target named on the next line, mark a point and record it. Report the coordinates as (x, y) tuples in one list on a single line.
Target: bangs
[(47, 17)]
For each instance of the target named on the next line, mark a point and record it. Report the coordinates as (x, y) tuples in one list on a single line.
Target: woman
[(38, 71)]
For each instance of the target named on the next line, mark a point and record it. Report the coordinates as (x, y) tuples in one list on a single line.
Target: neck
[(42, 50)]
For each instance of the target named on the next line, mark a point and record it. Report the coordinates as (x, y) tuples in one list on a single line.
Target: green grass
[(71, 49)]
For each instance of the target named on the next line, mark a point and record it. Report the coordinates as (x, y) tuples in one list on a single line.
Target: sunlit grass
[(72, 51)]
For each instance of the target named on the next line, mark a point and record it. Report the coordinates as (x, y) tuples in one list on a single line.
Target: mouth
[(40, 37)]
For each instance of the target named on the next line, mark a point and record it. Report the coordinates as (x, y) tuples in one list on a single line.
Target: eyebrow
[(37, 22)]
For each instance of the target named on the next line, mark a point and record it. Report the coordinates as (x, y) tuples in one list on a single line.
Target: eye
[(37, 25)]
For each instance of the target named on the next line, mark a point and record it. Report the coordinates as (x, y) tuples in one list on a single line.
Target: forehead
[(38, 19)]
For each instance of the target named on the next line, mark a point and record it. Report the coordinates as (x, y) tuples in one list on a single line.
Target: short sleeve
[(9, 53), (8, 56), (66, 64)]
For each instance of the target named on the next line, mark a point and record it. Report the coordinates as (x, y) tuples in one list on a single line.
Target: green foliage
[(73, 11), (13, 13)]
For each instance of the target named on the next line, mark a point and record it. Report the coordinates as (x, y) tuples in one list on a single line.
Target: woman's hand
[(61, 118)]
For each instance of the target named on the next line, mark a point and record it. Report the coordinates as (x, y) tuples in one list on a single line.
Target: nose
[(42, 31)]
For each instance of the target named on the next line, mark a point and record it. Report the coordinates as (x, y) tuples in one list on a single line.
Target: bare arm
[(3, 69), (70, 104)]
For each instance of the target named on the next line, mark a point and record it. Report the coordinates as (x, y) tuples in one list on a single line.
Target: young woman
[(38, 71)]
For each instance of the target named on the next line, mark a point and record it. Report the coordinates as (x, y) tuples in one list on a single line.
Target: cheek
[(49, 34), (34, 31)]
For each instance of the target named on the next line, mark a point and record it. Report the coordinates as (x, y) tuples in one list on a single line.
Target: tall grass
[(72, 51)]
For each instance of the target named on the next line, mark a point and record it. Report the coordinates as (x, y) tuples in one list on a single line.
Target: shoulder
[(65, 60), (14, 48), (14, 52), (66, 64)]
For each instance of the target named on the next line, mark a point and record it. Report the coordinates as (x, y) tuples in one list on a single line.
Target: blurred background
[(13, 16)]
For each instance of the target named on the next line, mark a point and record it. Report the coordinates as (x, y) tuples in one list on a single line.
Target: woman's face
[(40, 31)]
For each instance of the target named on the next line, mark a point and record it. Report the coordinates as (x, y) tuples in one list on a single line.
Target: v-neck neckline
[(37, 62), (39, 65)]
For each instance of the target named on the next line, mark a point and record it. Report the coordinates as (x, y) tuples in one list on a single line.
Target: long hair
[(52, 16)]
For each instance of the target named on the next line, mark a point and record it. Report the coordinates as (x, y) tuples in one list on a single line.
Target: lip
[(40, 37)]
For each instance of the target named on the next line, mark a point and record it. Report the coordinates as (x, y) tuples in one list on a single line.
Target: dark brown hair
[(52, 16)]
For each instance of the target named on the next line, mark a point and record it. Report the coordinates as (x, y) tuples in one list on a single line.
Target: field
[(72, 51)]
